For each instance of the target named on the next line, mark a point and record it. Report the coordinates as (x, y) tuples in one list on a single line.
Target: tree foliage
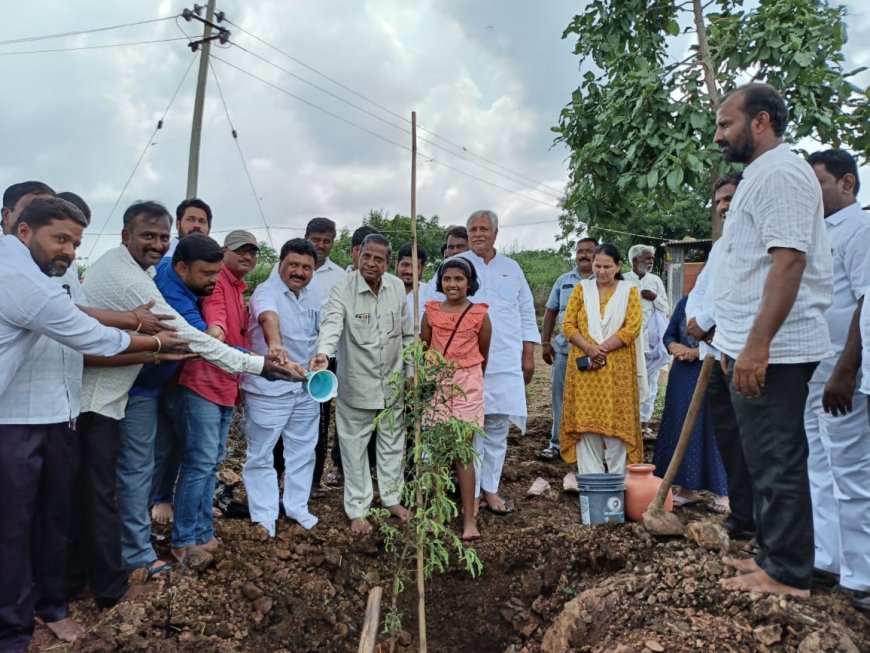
[(430, 234), (641, 123)]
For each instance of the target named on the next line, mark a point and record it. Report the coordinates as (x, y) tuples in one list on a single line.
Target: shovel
[(655, 519)]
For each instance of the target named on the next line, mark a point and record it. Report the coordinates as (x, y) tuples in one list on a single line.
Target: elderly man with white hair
[(511, 352), (654, 302)]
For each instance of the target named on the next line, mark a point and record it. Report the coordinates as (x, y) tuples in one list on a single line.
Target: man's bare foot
[(162, 513), (212, 546), (400, 511), (742, 565), (760, 583), (360, 526), (135, 591), (65, 630), (261, 533)]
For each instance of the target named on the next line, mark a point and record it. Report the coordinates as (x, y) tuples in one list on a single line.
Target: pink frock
[(465, 353)]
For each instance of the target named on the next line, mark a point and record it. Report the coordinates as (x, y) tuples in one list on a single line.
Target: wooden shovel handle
[(685, 433)]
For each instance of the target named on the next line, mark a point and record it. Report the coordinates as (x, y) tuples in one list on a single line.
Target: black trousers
[(775, 446), (731, 449), (95, 550), (37, 467)]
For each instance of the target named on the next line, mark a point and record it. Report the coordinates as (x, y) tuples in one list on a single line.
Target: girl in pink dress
[(460, 330)]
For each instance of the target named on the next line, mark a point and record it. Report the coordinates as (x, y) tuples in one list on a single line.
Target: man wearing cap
[(285, 318), (208, 396)]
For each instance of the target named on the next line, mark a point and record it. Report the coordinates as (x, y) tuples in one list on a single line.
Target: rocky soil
[(548, 584)]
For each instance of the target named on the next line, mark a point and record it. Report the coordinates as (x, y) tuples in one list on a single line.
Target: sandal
[(158, 567), (720, 505), (549, 454), (508, 506)]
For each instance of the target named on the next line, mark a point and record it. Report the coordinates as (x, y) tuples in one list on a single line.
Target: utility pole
[(199, 101)]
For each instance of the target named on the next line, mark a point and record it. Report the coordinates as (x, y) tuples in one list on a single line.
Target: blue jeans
[(205, 429), (167, 446), (560, 367), (135, 470)]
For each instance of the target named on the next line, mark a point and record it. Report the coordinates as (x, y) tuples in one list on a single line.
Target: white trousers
[(491, 448), (839, 471), (647, 406), (354, 426), (294, 417), (594, 450)]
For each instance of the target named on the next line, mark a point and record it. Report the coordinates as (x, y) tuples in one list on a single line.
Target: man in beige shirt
[(368, 318)]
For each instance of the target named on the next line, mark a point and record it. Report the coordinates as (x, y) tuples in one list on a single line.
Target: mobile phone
[(584, 363)]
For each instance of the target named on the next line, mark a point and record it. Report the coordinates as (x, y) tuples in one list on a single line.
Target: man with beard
[(368, 318), (701, 324), (770, 301), (122, 279), (654, 302), (39, 406), (320, 232), (556, 353), (192, 216)]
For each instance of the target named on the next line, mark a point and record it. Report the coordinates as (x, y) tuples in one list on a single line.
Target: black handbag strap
[(455, 328)]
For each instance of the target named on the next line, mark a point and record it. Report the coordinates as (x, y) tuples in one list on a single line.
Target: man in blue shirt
[(556, 352)]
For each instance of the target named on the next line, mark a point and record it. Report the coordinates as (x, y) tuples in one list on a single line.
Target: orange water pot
[(640, 490)]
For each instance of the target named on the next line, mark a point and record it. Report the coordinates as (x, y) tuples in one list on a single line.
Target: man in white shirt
[(770, 327), (701, 325), (39, 405), (511, 353), (321, 232), (654, 303), (285, 318), (839, 445), (368, 318)]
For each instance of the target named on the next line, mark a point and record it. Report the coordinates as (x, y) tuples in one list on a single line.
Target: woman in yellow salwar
[(601, 408)]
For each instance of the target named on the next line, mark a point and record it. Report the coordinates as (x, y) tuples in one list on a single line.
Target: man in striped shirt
[(770, 298)]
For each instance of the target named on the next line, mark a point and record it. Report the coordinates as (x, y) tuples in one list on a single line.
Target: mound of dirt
[(548, 584)]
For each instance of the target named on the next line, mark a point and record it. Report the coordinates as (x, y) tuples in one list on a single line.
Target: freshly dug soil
[(548, 584)]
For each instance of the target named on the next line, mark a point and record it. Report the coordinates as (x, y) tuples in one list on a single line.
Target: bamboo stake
[(421, 576), (369, 637)]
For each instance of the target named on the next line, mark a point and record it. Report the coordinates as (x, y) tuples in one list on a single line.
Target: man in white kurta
[(285, 317), (511, 352), (655, 307), (368, 318), (839, 446)]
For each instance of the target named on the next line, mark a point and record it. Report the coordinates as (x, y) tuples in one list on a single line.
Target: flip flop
[(549, 454), (508, 506), (539, 486), (156, 568)]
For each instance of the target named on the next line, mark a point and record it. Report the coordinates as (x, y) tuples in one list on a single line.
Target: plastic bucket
[(602, 498), (321, 385)]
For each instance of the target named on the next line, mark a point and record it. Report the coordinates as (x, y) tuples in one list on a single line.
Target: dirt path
[(616, 588)]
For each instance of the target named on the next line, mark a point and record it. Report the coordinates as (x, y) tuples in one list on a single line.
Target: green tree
[(430, 234), (266, 260), (640, 125)]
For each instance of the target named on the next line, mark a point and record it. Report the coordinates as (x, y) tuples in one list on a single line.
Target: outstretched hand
[(289, 372), (152, 323)]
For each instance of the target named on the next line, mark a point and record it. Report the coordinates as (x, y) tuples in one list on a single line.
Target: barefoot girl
[(461, 331)]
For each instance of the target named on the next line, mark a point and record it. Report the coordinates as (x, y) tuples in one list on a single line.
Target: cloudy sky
[(486, 78)]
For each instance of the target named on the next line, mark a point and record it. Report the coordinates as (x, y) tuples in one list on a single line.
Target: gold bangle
[(155, 358)]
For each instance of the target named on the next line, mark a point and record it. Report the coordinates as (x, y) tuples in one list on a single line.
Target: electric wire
[(537, 184), (241, 155), (91, 47), (428, 159), (28, 39), (538, 187), (148, 145)]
